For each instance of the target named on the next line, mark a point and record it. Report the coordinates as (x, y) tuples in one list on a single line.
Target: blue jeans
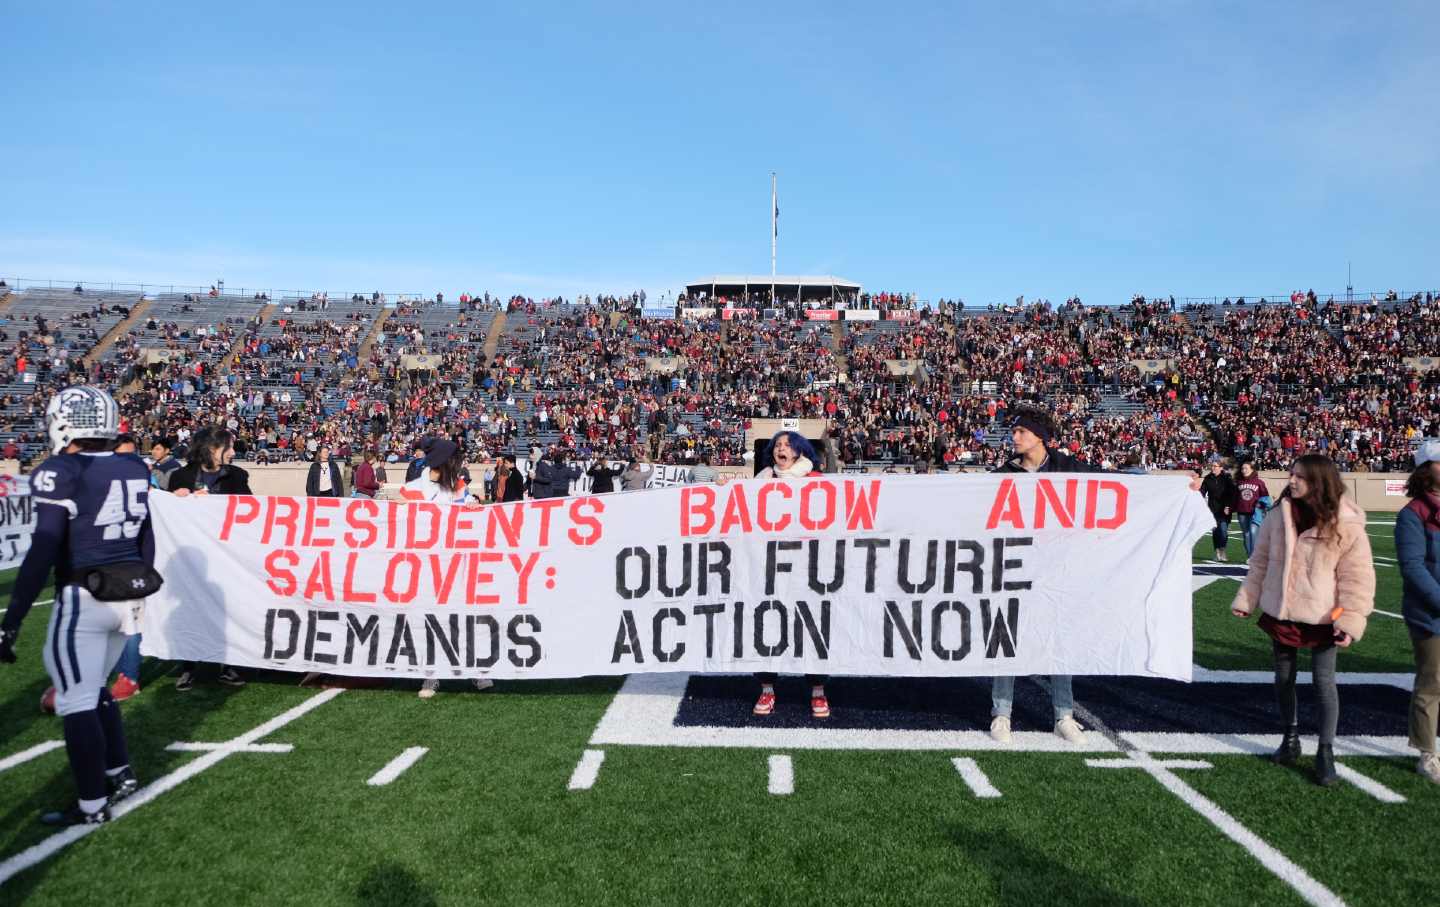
[(1062, 697), (1247, 533), (1220, 537), (129, 661)]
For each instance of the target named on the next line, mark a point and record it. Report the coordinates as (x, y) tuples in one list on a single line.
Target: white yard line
[(397, 766), (1390, 614), (782, 776), (58, 841), (975, 778), (180, 747), (1130, 763), (1275, 861), (33, 752), (587, 770), (1368, 785)]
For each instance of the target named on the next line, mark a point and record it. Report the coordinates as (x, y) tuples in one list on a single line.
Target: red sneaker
[(765, 704), (819, 706), (123, 688)]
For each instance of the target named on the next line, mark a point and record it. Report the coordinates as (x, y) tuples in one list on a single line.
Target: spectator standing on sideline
[(509, 484), (1032, 432), (367, 485), (602, 476), (441, 483), (417, 460), (1314, 582), (1251, 496), (703, 473), (553, 477), (790, 455), (1417, 548), (209, 470), (1219, 491), (636, 476), (324, 480)]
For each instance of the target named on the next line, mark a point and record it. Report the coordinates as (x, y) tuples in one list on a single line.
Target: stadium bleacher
[(1266, 380)]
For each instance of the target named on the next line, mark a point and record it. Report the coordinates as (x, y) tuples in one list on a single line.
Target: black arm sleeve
[(51, 524), (147, 542)]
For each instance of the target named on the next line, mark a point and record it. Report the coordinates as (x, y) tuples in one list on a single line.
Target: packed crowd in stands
[(1147, 383)]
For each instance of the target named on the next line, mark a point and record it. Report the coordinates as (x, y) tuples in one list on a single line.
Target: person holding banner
[(1032, 432), (1313, 581), (209, 469), (788, 456), (441, 482)]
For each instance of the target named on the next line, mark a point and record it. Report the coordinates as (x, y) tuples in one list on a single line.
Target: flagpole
[(774, 224)]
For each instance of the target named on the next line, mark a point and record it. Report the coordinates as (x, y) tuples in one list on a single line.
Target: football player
[(93, 530)]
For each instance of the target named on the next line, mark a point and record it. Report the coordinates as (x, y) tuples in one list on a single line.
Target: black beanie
[(1036, 424)]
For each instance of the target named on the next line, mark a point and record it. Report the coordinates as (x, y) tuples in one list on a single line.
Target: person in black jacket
[(324, 480), (1032, 431), (208, 470), (553, 476), (1222, 495), (509, 484), (603, 476)]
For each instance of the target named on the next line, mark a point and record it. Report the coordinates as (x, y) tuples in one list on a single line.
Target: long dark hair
[(450, 471), (209, 443), (1325, 491), (1421, 482)]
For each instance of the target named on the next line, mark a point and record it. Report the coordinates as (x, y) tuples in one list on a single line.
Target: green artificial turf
[(485, 817)]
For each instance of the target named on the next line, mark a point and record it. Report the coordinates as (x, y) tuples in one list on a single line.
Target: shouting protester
[(789, 455), (1314, 582)]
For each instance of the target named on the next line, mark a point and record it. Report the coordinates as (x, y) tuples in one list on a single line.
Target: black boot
[(1289, 751), (1325, 765)]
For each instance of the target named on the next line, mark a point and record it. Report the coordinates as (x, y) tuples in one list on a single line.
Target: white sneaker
[(1070, 729), (483, 683), (1429, 766), (428, 688), (1000, 729)]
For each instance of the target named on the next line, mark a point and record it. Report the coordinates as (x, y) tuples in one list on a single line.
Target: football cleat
[(76, 816), (122, 785)]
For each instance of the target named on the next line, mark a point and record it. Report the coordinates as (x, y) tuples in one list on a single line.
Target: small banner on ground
[(902, 575)]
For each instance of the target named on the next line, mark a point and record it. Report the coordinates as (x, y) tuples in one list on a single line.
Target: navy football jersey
[(107, 498)]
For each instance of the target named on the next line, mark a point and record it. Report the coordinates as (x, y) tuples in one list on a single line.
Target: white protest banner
[(915, 575), (17, 520)]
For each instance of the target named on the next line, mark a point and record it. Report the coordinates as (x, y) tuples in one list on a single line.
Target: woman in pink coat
[(1314, 582)]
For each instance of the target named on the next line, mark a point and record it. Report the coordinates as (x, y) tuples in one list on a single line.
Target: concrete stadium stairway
[(228, 363), (368, 344), (137, 313), (492, 336)]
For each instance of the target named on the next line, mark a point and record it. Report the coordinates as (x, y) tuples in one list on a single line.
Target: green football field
[(518, 799)]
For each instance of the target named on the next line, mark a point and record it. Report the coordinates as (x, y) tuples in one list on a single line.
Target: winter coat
[(233, 479), (1417, 548), (365, 480), (1305, 578), (312, 481), (552, 480), (602, 477), (1056, 461), (1220, 493)]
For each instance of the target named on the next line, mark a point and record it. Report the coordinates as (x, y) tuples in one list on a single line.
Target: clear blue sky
[(1093, 148)]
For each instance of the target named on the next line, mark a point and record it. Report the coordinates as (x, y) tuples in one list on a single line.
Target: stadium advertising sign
[(698, 312), (667, 312), (17, 520), (901, 315), (823, 314), (862, 314), (737, 314), (848, 575)]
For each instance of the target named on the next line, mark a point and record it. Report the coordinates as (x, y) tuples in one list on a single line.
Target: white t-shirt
[(422, 488)]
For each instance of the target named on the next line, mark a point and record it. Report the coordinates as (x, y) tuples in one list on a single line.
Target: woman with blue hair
[(789, 455)]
